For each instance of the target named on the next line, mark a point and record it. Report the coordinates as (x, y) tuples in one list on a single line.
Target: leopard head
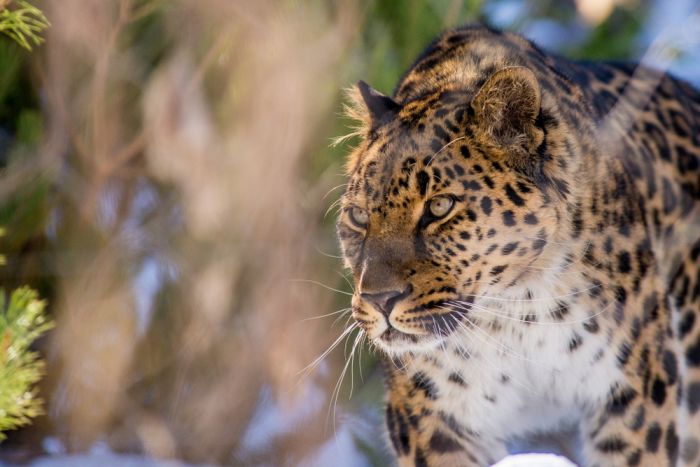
[(453, 195)]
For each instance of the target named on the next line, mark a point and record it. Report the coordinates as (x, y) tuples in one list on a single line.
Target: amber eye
[(359, 216), (440, 206)]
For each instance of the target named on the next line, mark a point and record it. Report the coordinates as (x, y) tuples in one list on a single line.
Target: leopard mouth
[(392, 335), (436, 321)]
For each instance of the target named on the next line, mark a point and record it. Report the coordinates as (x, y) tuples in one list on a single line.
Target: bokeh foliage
[(22, 321), (22, 318), (23, 22)]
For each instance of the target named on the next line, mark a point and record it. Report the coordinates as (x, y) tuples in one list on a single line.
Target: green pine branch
[(22, 320), (23, 23)]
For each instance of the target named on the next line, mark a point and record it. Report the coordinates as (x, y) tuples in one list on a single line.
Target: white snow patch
[(535, 460), (102, 460)]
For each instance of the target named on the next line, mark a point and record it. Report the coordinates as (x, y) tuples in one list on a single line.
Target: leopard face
[(448, 204)]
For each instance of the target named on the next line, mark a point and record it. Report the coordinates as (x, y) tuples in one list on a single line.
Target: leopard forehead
[(393, 179), (403, 168)]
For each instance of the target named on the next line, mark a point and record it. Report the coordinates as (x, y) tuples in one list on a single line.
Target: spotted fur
[(563, 284)]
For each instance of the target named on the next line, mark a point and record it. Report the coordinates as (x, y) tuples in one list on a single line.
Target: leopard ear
[(507, 108), (379, 105)]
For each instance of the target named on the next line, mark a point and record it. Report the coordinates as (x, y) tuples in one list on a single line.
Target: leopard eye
[(359, 216), (440, 206)]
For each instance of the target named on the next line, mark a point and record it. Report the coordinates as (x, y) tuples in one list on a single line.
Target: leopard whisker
[(335, 204), (547, 323), (437, 328), (503, 347), (499, 313), (447, 357), (345, 348), (333, 189), (509, 350), (524, 300), (336, 390), (509, 375), (465, 328), (328, 255), (352, 287), (362, 344), (466, 306), (459, 346), (344, 310), (319, 283), (341, 317), (440, 150), (404, 368), (309, 368), (358, 339), (515, 380), (446, 186), (334, 398)]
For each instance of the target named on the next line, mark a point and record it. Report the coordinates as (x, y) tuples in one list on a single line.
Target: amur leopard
[(523, 235)]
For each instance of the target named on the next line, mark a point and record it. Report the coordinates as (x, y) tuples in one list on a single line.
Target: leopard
[(522, 232)]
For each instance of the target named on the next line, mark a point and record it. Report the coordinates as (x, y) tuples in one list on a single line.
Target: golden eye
[(359, 216), (440, 206)]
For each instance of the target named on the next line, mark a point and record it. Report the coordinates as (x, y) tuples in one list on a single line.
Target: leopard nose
[(384, 301)]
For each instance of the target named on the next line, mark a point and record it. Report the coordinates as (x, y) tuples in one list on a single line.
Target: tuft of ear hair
[(355, 110), (506, 108), (368, 108)]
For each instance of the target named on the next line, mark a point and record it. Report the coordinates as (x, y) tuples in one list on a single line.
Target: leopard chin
[(396, 343)]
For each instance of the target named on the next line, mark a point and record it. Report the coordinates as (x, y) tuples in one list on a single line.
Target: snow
[(535, 460), (100, 460), (325, 458)]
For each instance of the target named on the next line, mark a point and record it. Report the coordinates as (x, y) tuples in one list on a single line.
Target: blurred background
[(167, 186)]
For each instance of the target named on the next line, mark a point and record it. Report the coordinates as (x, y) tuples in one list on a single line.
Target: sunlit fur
[(549, 293)]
